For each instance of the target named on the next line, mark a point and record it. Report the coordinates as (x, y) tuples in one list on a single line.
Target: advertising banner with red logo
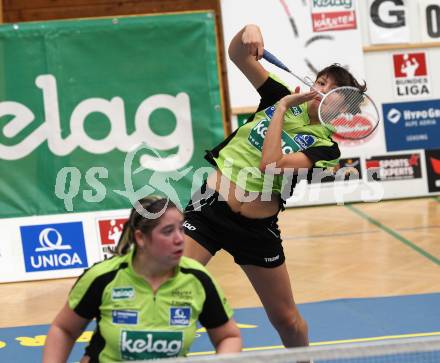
[(110, 230), (333, 15), (394, 167), (411, 78), (433, 169)]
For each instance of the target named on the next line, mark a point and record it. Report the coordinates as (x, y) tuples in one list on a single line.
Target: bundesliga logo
[(411, 74)]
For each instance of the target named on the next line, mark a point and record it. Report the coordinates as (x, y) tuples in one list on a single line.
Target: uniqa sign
[(117, 139), (53, 246), (61, 260), (51, 258)]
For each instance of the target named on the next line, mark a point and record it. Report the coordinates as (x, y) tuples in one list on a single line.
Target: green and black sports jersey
[(238, 157), (133, 323)]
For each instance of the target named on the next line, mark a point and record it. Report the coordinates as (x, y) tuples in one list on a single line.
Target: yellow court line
[(358, 340)]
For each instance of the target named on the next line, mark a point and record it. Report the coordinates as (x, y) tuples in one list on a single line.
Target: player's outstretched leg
[(273, 287)]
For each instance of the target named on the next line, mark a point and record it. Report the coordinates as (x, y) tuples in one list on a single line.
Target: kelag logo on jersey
[(123, 293), (53, 246), (288, 144), (140, 345), (433, 169), (180, 316)]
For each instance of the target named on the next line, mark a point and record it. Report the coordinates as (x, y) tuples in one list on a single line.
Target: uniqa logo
[(180, 316), (117, 138), (53, 259)]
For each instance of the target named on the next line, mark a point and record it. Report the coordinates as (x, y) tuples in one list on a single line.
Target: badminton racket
[(346, 111)]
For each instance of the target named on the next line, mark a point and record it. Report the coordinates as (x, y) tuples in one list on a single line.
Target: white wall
[(370, 61)]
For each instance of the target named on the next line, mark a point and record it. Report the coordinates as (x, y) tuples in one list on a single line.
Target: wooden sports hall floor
[(360, 250)]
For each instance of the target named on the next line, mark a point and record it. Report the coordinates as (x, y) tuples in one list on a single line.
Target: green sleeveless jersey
[(133, 323), (239, 160)]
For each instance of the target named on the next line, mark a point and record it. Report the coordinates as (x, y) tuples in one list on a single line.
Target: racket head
[(348, 113)]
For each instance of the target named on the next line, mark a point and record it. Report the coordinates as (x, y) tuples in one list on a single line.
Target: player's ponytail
[(126, 239)]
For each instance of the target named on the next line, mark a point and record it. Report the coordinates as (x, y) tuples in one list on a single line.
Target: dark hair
[(144, 216), (341, 76)]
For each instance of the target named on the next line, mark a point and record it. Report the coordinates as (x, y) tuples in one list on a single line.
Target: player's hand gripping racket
[(345, 111)]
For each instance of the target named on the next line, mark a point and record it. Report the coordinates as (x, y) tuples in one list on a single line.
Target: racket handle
[(274, 60)]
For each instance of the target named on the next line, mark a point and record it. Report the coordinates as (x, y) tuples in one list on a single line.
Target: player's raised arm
[(245, 50)]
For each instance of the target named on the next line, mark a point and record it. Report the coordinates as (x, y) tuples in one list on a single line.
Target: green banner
[(96, 113)]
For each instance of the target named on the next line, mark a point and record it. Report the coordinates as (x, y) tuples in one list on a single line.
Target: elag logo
[(433, 167), (53, 246)]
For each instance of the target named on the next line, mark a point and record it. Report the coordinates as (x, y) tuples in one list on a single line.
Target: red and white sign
[(410, 65), (337, 20), (110, 230), (411, 75), (333, 15)]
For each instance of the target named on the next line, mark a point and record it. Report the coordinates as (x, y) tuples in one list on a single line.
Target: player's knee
[(291, 324)]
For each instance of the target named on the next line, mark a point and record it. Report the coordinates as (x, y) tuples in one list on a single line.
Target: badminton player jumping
[(236, 209)]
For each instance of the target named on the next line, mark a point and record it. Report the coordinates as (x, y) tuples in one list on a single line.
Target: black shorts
[(214, 225)]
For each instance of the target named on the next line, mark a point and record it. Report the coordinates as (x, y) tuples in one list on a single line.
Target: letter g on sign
[(386, 13)]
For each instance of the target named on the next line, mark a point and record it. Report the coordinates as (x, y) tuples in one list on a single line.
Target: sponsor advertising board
[(412, 125), (433, 169), (108, 111), (394, 167)]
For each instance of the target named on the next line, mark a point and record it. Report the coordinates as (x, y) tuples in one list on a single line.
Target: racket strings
[(348, 113)]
